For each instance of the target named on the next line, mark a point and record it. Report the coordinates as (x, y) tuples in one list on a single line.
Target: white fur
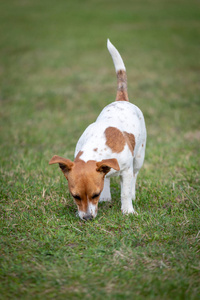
[(105, 194), (92, 209), (125, 116), (117, 59)]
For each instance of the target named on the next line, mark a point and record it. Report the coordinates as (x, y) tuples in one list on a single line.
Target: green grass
[(56, 75)]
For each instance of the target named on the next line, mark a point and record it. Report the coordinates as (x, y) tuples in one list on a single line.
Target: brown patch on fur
[(122, 94), (130, 139), (77, 158), (95, 149), (115, 139)]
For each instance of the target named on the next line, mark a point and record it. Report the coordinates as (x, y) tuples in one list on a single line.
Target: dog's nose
[(87, 217)]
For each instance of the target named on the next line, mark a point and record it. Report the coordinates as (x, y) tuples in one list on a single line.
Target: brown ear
[(65, 164), (106, 164)]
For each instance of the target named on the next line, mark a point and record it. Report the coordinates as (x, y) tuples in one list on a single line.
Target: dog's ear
[(65, 164), (106, 164)]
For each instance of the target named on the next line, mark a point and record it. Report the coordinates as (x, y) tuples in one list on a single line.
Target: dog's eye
[(96, 195), (77, 197)]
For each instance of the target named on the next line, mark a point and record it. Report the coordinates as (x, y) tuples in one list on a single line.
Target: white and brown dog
[(114, 145)]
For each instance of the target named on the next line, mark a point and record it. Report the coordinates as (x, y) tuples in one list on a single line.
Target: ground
[(56, 76)]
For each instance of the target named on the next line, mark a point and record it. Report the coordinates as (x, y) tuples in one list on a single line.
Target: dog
[(114, 145)]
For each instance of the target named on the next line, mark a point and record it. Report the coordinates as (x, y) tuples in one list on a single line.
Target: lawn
[(56, 76)]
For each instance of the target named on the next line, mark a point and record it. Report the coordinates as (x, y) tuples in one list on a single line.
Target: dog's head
[(85, 181)]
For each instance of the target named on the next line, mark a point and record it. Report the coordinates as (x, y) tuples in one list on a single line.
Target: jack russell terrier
[(114, 145)]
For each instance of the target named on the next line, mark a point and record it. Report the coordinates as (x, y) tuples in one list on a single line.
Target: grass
[(56, 76)]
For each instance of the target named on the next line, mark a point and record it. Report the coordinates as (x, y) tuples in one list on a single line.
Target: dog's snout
[(87, 217)]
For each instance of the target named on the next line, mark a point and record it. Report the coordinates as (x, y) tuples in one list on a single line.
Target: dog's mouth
[(87, 216)]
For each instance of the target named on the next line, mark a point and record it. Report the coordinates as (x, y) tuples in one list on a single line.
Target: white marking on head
[(92, 209), (90, 213), (81, 214)]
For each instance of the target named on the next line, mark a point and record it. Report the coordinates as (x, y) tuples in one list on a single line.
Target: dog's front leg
[(127, 182), (134, 185), (105, 194)]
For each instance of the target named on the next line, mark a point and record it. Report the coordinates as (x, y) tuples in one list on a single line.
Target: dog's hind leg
[(105, 194)]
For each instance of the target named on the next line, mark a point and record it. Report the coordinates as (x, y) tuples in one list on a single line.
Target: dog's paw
[(129, 210)]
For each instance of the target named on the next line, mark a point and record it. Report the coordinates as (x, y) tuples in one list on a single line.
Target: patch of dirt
[(192, 135)]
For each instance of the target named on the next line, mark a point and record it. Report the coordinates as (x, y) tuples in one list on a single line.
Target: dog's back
[(120, 122)]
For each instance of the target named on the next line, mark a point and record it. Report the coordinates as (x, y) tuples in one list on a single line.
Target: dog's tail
[(122, 93)]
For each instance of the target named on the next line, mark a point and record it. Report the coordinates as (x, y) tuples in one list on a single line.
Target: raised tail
[(122, 93)]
